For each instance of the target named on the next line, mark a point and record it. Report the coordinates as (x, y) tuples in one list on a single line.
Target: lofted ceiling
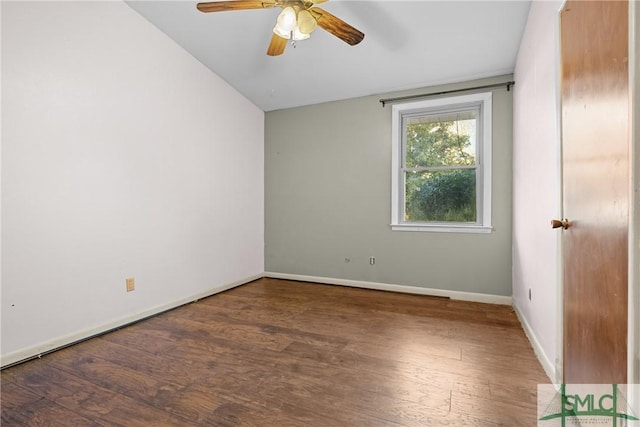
[(407, 45)]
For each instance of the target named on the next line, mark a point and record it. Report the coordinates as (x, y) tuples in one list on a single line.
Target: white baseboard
[(61, 342), (457, 295), (537, 348)]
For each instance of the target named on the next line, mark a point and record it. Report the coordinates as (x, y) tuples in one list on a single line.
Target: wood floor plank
[(285, 353), (405, 349), (270, 321), (22, 407), (91, 400), (505, 412)]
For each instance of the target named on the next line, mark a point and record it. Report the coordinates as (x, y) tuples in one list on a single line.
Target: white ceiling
[(407, 44)]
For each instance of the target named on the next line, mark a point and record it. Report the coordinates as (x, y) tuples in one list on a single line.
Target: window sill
[(443, 228)]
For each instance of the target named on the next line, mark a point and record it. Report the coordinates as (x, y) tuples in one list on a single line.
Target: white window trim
[(484, 163)]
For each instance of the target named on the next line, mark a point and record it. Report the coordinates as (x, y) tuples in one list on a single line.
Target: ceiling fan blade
[(221, 6), (337, 26), (277, 45)]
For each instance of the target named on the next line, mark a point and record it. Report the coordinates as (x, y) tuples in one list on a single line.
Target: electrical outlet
[(372, 260), (131, 284)]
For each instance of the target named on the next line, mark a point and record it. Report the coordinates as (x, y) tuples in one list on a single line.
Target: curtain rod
[(385, 101)]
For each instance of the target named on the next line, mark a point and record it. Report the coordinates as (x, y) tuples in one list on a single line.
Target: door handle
[(556, 223)]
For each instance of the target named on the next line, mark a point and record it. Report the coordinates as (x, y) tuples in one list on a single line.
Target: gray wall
[(328, 197)]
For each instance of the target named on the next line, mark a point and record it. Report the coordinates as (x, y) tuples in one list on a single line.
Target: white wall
[(122, 156), (536, 181)]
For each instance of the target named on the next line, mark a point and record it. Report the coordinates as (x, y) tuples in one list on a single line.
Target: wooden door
[(595, 159)]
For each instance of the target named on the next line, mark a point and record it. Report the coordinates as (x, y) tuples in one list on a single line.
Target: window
[(441, 177)]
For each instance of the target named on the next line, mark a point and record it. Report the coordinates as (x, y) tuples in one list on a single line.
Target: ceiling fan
[(298, 19)]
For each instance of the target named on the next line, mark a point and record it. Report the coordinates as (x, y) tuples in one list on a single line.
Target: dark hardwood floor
[(282, 353)]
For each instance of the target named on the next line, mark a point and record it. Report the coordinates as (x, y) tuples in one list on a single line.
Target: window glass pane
[(443, 139), (441, 196)]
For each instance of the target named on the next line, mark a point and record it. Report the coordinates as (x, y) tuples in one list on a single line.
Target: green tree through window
[(440, 168)]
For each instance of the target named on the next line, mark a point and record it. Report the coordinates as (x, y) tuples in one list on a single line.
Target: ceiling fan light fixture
[(306, 22), (286, 22), (284, 34), (298, 35)]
